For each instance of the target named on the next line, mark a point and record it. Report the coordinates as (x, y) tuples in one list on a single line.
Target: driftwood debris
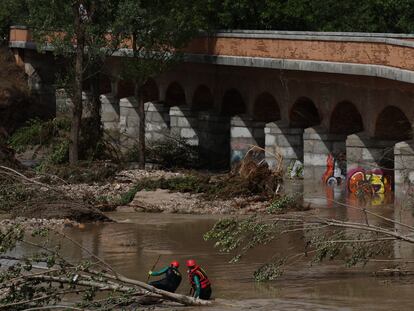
[(49, 283)]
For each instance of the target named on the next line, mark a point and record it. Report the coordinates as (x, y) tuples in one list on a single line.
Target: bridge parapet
[(308, 51)]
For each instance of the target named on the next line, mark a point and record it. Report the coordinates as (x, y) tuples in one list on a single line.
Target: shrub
[(169, 152)]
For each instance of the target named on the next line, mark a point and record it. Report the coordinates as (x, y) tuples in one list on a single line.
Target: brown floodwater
[(133, 245)]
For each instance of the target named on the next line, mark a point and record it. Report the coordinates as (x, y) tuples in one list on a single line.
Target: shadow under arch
[(150, 92), (233, 103), (392, 124), (345, 119), (175, 95), (266, 108), (203, 99), (105, 85), (304, 114), (125, 89)]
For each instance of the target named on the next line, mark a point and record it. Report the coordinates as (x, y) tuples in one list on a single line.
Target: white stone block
[(312, 159), (270, 140), (240, 132), (188, 133)]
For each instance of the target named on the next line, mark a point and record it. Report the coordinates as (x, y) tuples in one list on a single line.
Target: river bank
[(48, 197)]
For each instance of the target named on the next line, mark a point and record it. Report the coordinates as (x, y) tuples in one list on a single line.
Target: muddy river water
[(133, 244)]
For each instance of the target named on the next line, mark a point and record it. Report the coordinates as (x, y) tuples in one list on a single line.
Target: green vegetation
[(38, 133), (283, 203), (12, 12), (185, 184), (49, 141), (210, 188), (169, 152), (241, 235), (323, 239), (312, 15), (46, 278)]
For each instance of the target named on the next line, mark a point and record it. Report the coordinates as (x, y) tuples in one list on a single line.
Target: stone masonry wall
[(288, 142), (363, 151), (245, 133), (157, 121), (64, 103), (317, 145), (184, 124), (157, 118), (404, 162), (110, 111)]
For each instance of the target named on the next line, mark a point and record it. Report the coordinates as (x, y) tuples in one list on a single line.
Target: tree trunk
[(141, 112), (95, 130), (141, 129), (77, 92)]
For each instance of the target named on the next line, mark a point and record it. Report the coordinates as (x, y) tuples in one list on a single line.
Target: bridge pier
[(156, 121), (245, 133), (110, 111), (128, 121), (214, 139), (184, 124), (40, 79), (369, 153), (283, 140), (404, 162), (318, 144), (64, 104)]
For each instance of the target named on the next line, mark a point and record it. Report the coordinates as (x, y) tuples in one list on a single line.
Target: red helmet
[(175, 264), (190, 263)]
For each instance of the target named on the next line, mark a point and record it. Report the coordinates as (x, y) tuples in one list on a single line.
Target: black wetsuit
[(171, 281)]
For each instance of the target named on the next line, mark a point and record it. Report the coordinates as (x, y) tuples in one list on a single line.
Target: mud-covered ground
[(161, 200)]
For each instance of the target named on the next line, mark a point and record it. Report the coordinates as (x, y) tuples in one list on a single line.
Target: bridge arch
[(345, 119), (150, 91), (393, 124), (202, 99), (233, 103), (175, 95), (266, 108), (304, 114), (105, 85), (125, 88)]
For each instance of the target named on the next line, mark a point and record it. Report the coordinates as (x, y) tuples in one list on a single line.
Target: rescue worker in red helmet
[(172, 277), (199, 281)]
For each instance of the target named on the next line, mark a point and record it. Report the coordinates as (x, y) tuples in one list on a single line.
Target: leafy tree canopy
[(312, 15)]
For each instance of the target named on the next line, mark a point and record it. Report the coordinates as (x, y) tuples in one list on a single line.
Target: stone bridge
[(304, 95)]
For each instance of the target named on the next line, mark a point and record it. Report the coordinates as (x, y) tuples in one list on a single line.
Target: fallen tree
[(45, 278), (24, 196), (324, 239)]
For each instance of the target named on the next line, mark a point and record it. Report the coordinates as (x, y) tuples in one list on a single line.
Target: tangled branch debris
[(45, 278), (249, 179), (24, 196), (324, 239)]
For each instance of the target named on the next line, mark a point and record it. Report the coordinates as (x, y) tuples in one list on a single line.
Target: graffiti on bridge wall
[(335, 170), (375, 184), (376, 181)]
